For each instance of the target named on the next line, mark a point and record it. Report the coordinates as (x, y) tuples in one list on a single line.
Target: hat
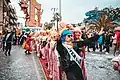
[(64, 33), (77, 29)]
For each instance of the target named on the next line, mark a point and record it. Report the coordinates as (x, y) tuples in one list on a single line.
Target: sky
[(73, 11)]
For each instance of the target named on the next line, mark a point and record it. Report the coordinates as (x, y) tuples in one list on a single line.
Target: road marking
[(35, 64)]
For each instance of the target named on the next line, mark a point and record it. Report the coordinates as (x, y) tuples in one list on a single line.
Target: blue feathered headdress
[(64, 33)]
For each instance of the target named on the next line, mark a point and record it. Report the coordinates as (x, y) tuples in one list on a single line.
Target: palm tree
[(105, 19)]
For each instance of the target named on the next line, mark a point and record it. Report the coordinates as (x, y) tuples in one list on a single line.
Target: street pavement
[(19, 66), (99, 66)]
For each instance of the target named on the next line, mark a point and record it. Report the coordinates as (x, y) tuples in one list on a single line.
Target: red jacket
[(118, 37)]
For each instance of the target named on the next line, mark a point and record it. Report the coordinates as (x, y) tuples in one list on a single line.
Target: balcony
[(11, 15), (14, 11), (6, 18), (6, 2), (15, 22), (16, 18), (11, 21), (11, 9)]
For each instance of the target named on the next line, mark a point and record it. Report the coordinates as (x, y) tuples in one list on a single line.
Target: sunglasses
[(69, 35)]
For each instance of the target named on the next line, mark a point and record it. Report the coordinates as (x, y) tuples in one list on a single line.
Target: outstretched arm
[(89, 40)]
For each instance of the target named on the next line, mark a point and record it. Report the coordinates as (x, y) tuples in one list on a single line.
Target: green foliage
[(106, 18)]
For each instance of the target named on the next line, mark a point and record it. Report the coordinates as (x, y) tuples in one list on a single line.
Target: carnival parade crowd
[(62, 52)]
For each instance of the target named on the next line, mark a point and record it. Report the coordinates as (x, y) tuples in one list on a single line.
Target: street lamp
[(60, 9), (58, 18), (54, 10), (56, 15)]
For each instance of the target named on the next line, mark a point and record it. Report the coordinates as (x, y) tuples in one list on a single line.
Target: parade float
[(109, 18)]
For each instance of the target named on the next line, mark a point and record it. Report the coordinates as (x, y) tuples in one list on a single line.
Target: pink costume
[(82, 54), (54, 62), (42, 47)]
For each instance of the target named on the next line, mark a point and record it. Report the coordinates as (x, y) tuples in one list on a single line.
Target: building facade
[(8, 18), (32, 10), (12, 18)]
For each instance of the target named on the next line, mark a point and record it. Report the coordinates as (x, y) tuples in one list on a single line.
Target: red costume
[(28, 46)]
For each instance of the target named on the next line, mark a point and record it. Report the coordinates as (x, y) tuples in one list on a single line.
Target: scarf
[(73, 55), (8, 35)]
